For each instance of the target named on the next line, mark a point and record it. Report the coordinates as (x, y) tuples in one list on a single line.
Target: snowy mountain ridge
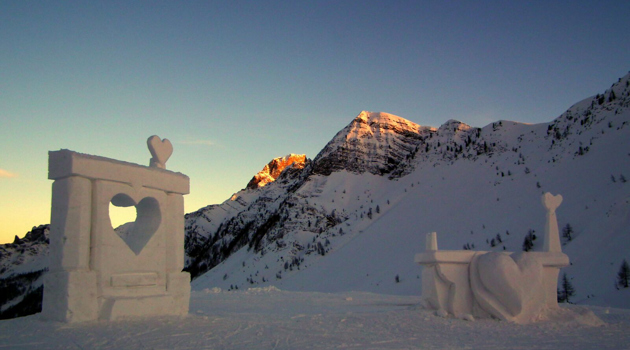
[(22, 267), (273, 169), (356, 216)]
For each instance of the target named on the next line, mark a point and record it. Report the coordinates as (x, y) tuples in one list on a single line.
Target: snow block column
[(445, 284), (70, 284), (98, 272), (177, 282)]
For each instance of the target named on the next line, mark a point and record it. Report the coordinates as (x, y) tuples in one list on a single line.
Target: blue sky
[(234, 84)]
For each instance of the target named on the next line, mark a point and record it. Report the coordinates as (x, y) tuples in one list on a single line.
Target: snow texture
[(268, 318)]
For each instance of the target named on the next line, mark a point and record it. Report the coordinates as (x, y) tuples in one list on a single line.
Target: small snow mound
[(467, 317), (573, 315), (441, 313), (268, 289), (215, 290), (588, 318)]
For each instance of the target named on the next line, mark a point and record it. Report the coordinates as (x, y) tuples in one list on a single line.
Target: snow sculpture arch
[(98, 273), (516, 287)]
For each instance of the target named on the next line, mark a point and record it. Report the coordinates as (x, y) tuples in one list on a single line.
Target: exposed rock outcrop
[(373, 142), (273, 169), (23, 264)]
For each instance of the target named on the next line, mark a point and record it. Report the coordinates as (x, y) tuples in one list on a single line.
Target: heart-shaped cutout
[(513, 284), (121, 217), (148, 219), (161, 151)]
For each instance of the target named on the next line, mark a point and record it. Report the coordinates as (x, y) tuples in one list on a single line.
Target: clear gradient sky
[(234, 84)]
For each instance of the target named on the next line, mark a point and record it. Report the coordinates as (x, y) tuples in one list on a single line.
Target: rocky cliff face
[(23, 251), (215, 232), (266, 218), (287, 214), (376, 143), (22, 266), (273, 170)]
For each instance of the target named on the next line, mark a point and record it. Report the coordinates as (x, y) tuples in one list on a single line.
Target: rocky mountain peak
[(373, 142), (454, 125), (381, 124), (274, 168)]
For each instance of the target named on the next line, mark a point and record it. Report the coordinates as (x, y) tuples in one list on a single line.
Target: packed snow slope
[(354, 217)]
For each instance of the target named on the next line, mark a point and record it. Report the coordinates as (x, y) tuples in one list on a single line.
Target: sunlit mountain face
[(354, 216)]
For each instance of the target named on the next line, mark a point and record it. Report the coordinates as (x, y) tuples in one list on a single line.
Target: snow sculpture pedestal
[(517, 287), (95, 273)]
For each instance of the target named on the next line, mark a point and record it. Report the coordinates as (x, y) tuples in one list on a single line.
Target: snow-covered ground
[(267, 318)]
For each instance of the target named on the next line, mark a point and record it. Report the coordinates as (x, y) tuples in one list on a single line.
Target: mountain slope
[(23, 264), (475, 187), (291, 216)]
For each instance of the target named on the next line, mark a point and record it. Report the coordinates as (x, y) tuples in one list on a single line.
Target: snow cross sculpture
[(98, 273), (517, 287)]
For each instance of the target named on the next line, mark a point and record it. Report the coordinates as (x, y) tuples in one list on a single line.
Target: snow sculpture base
[(94, 272), (517, 287), (449, 283)]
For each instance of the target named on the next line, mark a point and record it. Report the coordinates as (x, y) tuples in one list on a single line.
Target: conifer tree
[(528, 242), (566, 290), (623, 276), (567, 232)]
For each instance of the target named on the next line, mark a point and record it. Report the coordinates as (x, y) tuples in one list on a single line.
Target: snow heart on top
[(551, 202), (161, 151)]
